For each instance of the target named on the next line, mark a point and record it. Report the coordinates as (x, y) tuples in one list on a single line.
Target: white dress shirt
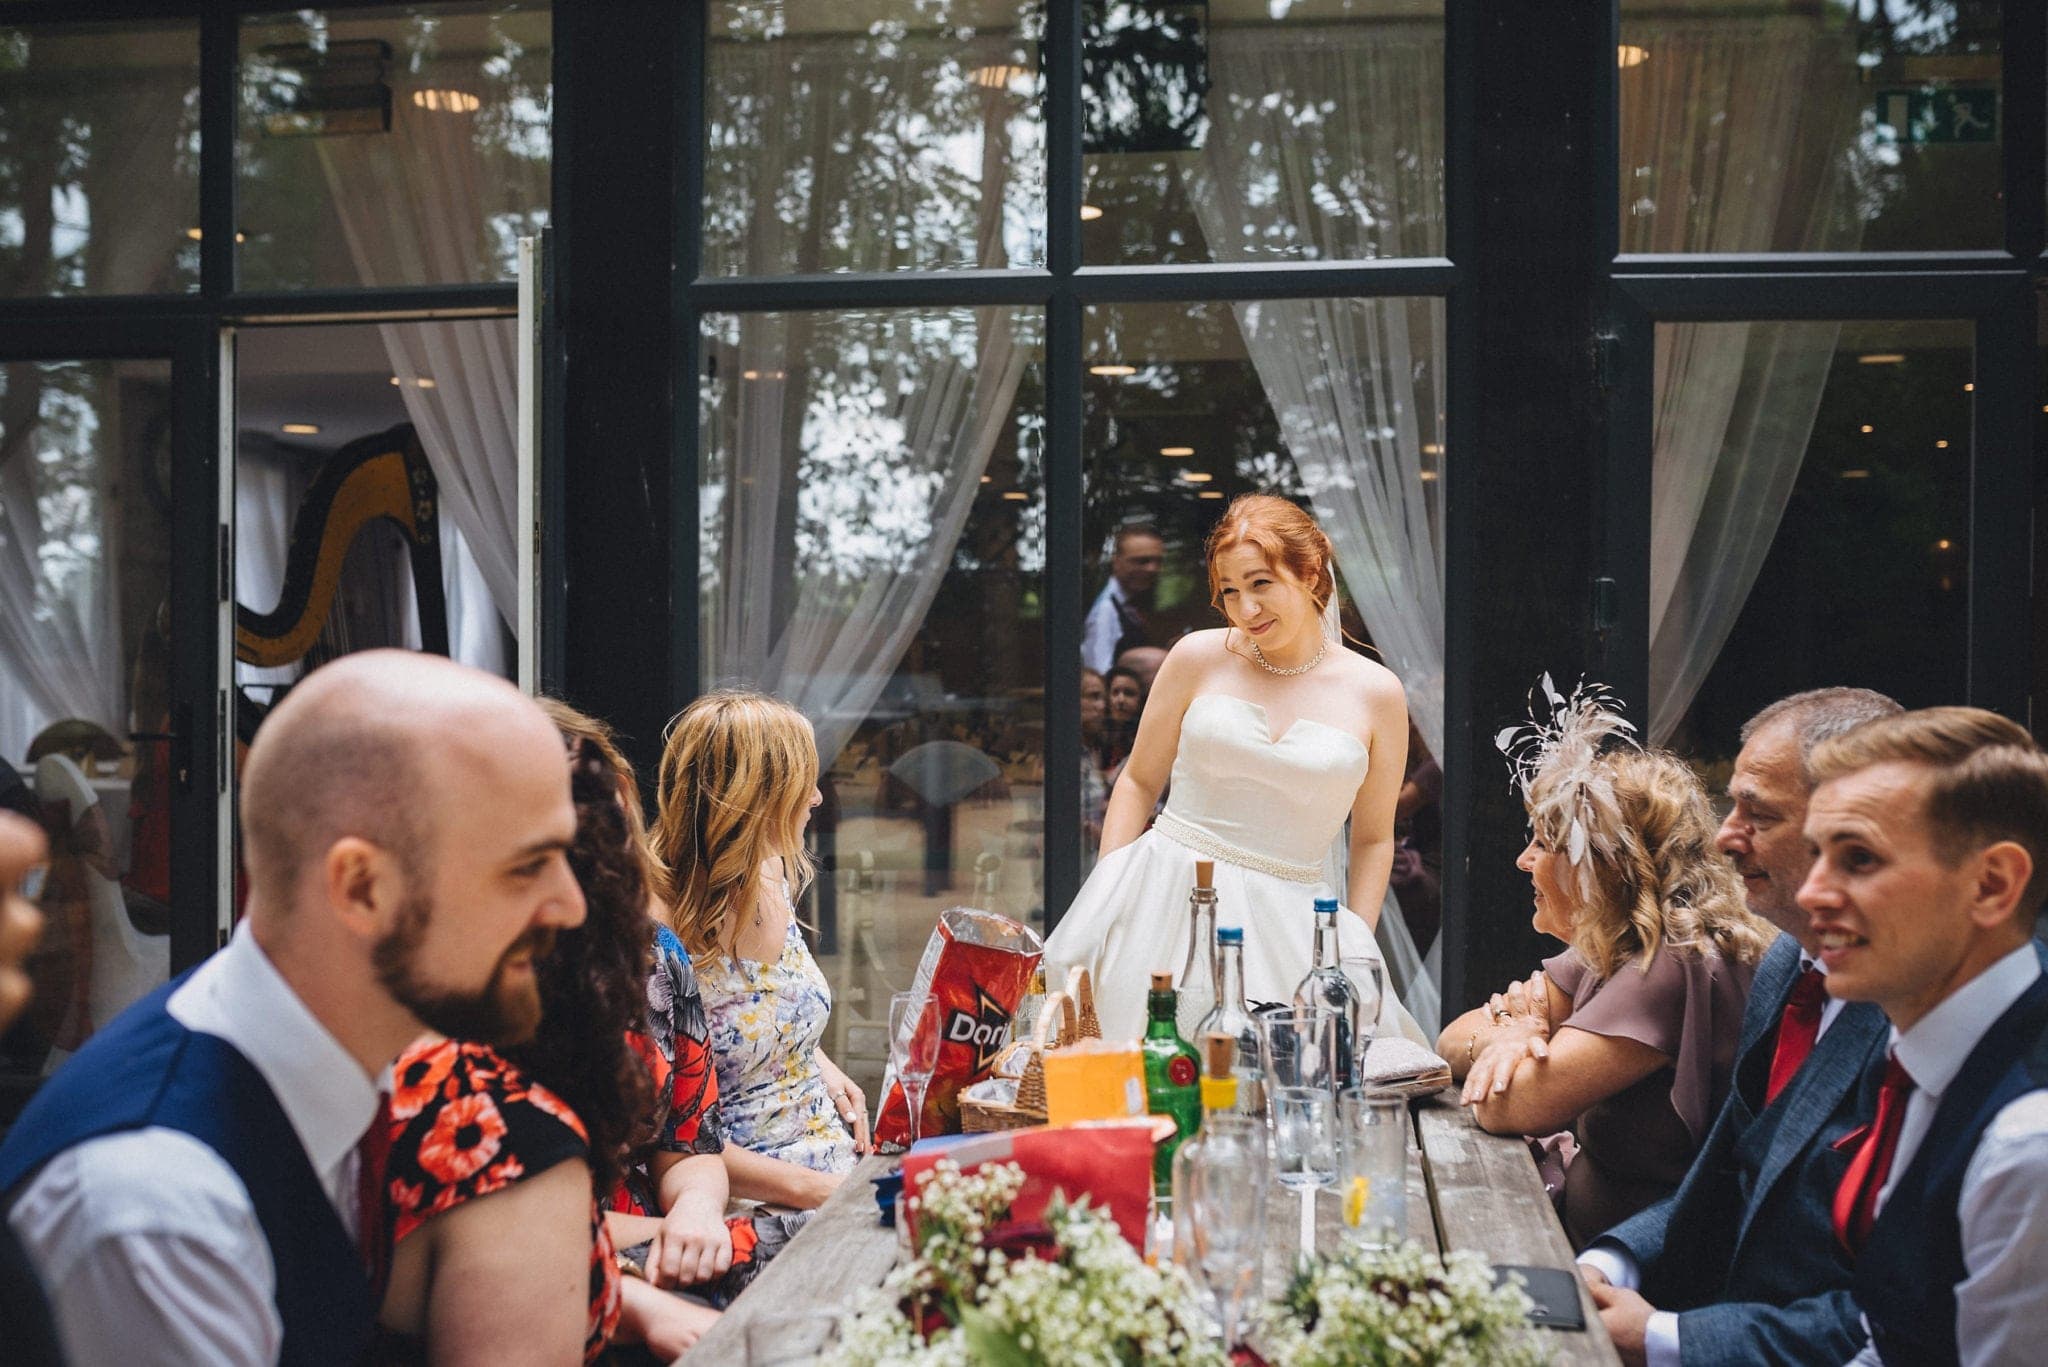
[(1618, 1265), (1104, 628), (146, 1241), (2002, 1302)]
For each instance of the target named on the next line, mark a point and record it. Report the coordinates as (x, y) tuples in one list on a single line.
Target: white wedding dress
[(1267, 810)]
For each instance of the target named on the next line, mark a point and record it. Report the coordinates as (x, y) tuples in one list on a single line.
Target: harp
[(382, 476)]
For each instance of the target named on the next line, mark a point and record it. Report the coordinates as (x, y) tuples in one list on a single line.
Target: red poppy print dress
[(465, 1123)]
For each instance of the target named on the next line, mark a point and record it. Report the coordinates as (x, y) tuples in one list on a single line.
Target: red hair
[(1280, 531)]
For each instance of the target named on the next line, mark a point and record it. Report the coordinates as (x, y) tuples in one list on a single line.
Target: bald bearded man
[(189, 1185)]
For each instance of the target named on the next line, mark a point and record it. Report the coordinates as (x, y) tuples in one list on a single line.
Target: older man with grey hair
[(1740, 1264)]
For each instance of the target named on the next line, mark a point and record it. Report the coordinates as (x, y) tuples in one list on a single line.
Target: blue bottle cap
[(1324, 904), (1230, 935)]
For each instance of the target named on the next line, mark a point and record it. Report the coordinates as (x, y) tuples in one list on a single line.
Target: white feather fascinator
[(1555, 762)]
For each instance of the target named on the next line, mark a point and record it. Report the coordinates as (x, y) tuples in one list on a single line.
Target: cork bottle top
[(1162, 982), (1219, 1054), (1205, 873)]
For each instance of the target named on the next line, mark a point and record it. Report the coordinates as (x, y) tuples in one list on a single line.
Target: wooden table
[(1466, 1189)]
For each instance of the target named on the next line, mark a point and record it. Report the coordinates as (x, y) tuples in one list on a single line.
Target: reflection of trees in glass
[(99, 159), (904, 143)]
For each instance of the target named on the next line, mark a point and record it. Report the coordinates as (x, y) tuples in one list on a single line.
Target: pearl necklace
[(1260, 656)]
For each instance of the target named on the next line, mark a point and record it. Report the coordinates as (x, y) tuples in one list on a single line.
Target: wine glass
[(913, 1050)]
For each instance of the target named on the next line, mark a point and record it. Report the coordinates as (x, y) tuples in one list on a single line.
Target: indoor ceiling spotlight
[(1210, 493), (422, 382), (1941, 445), (1855, 474), (1016, 496), (1196, 476), (1090, 212), (1866, 429), (1428, 476), (446, 101), (1628, 55), (997, 75), (1176, 450), (1942, 544), (1969, 388), (301, 429), (199, 235), (1432, 448), (1113, 371), (1882, 358)]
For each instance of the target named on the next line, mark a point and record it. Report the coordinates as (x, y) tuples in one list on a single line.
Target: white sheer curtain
[(1738, 135), (413, 209), (1327, 144), (844, 450)]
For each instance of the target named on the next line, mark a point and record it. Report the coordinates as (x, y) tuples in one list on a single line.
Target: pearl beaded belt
[(1184, 832)]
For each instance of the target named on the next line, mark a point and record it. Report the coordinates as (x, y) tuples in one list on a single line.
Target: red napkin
[(1108, 1161)]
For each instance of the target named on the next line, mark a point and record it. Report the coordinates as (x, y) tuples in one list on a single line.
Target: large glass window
[(1810, 519), (85, 650), (873, 552), (1240, 131), (99, 159), (1334, 403), (384, 147), (1810, 126), (869, 135)]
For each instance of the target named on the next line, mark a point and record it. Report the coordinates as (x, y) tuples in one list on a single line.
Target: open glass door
[(108, 702)]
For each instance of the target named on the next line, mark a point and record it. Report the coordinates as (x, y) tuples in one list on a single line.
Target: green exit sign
[(1941, 114)]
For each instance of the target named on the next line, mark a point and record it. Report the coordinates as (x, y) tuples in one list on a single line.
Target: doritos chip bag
[(976, 968)]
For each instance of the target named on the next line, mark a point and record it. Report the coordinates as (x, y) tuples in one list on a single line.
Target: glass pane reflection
[(867, 135), (99, 159), (1810, 126), (1811, 519), (85, 650), (873, 552)]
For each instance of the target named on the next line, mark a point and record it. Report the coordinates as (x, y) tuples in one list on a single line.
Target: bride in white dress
[(1272, 734)]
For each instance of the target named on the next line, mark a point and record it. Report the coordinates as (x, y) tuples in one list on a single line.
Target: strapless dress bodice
[(1240, 793)]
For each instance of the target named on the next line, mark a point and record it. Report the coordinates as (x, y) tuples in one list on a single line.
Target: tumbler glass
[(1372, 1181)]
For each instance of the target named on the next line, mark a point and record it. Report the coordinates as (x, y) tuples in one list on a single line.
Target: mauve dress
[(1635, 1146)]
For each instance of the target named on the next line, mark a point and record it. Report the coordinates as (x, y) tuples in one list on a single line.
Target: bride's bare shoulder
[(1201, 647), (1373, 678)]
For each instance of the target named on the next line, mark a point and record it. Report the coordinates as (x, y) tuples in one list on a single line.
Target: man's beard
[(498, 1014)]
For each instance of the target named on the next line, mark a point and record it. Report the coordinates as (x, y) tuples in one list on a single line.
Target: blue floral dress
[(766, 1020)]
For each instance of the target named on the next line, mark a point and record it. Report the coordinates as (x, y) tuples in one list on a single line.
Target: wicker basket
[(1058, 1021)]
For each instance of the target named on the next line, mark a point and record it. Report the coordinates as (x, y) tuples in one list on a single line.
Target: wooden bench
[(1466, 1189)]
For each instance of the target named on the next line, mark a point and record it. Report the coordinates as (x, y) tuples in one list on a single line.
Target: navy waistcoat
[(1907, 1274), (147, 1070)]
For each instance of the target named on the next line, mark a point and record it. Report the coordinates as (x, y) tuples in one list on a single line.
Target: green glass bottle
[(1172, 1078)]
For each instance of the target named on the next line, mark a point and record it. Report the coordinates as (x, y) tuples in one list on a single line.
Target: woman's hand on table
[(1494, 1069), (668, 1325), (693, 1246), (849, 1101)]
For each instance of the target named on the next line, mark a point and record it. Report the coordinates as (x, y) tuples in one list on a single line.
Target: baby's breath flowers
[(1400, 1306)]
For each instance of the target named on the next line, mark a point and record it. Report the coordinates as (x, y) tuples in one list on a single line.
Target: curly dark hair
[(593, 987)]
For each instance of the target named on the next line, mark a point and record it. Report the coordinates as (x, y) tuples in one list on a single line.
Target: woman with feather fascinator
[(1615, 1055)]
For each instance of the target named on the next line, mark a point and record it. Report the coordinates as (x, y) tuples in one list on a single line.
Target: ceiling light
[(1867, 429), (1176, 450), (1942, 544), (1941, 445), (1428, 476), (1431, 448), (1969, 389), (1881, 358), (1210, 493), (1628, 55), (446, 101), (423, 382), (985, 479), (1090, 212), (1016, 496), (199, 235), (997, 75), (302, 429), (1196, 476), (1855, 474), (1113, 371)]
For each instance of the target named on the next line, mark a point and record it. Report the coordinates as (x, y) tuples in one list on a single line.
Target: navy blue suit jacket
[(1744, 1250)]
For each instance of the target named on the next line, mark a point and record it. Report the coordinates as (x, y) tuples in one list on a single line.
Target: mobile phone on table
[(1555, 1291)]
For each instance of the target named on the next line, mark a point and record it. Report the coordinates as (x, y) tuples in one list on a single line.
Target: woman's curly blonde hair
[(737, 775), (1657, 879)]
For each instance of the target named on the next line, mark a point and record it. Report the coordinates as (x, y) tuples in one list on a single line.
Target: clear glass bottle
[(1198, 972), (1326, 985), (1219, 1197), (1231, 1016)]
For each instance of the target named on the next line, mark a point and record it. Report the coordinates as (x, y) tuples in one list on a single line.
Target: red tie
[(373, 1153), (1856, 1198), (1798, 1028)]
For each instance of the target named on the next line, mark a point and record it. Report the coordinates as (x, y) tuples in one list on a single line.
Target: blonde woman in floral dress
[(739, 777)]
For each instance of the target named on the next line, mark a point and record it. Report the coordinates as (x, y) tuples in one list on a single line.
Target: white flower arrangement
[(1400, 1306), (1070, 1293)]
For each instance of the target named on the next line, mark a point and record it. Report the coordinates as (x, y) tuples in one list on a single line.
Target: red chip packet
[(977, 967)]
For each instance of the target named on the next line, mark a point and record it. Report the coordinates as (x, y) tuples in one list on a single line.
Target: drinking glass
[(1219, 1220), (913, 1049), (1298, 1046), (1369, 978), (1372, 1181), (1304, 1138)]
